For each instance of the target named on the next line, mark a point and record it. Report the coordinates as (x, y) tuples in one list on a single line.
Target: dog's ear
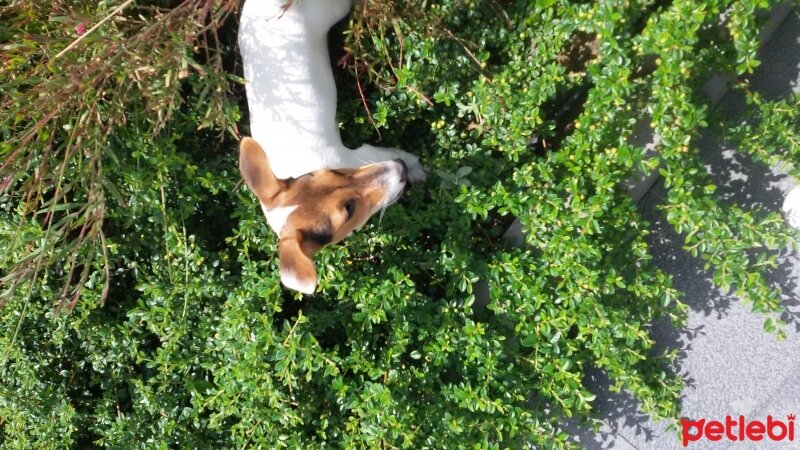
[(297, 268), (257, 173)]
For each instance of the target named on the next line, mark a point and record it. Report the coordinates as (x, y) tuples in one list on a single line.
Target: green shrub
[(142, 306)]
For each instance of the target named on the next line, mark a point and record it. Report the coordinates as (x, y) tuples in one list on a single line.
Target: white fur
[(290, 89), (290, 280), (276, 217), (393, 186)]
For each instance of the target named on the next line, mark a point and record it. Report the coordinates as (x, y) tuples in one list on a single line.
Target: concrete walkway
[(730, 364)]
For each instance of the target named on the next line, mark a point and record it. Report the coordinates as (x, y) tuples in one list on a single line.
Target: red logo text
[(738, 429)]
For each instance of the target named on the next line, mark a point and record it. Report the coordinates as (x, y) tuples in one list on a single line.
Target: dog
[(313, 190)]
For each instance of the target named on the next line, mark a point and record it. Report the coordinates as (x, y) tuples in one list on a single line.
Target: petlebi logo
[(738, 429)]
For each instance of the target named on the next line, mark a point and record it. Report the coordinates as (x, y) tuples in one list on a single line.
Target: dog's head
[(319, 208)]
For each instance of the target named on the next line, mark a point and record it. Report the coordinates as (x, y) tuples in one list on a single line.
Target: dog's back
[(290, 89)]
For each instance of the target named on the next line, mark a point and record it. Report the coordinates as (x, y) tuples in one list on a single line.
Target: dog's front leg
[(368, 154)]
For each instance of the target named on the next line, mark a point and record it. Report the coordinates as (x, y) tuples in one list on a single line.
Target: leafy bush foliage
[(142, 306)]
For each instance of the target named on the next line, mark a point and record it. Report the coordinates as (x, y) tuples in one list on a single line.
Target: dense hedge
[(142, 306)]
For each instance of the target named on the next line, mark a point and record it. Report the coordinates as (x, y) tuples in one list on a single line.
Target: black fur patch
[(323, 234)]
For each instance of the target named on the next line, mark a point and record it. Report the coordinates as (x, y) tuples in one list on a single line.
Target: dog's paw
[(416, 171), (791, 207), (370, 154)]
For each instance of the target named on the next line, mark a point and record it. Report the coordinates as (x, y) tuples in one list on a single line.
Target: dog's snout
[(403, 170)]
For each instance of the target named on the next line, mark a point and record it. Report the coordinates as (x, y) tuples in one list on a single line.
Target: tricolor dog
[(313, 190)]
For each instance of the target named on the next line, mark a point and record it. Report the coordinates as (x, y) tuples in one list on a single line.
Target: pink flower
[(81, 28)]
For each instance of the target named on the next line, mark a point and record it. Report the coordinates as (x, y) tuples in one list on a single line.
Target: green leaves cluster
[(737, 245), (181, 335), (67, 91)]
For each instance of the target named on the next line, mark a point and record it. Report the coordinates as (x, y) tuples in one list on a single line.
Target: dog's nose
[(403, 171)]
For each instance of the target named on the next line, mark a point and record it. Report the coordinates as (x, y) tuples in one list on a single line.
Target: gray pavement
[(730, 364)]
